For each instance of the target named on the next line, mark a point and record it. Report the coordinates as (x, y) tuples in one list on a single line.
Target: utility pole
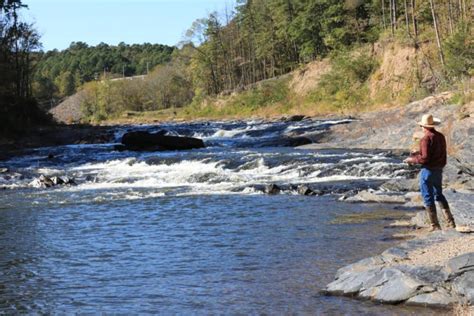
[(123, 71), (147, 67)]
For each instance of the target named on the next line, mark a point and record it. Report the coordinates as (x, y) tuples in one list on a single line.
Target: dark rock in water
[(120, 147), (298, 141), (286, 142), (295, 118), (305, 190), (272, 189), (67, 180), (50, 156), (57, 180), (46, 182), (140, 140)]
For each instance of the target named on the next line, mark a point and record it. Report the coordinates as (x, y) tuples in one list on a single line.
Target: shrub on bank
[(345, 85)]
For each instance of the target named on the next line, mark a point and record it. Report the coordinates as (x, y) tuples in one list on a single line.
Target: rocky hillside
[(69, 111), (396, 128)]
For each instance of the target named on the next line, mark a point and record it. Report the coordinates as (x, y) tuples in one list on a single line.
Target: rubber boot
[(447, 215), (434, 223)]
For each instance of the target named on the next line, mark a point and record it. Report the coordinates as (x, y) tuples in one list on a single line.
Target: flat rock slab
[(459, 265), (464, 287), (385, 278), (440, 298), (370, 197)]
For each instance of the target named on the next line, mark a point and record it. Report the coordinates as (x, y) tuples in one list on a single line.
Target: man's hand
[(409, 160)]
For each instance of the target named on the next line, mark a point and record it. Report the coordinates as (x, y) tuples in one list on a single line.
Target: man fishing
[(432, 157)]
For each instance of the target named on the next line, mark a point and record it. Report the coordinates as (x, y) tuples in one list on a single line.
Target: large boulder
[(141, 140)]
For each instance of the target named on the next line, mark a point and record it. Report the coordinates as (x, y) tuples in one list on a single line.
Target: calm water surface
[(188, 232)]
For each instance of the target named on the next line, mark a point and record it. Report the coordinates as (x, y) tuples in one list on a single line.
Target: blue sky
[(61, 22)]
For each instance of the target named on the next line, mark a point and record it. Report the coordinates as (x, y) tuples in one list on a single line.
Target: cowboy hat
[(429, 121)]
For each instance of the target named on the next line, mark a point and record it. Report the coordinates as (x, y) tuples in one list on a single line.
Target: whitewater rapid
[(234, 163)]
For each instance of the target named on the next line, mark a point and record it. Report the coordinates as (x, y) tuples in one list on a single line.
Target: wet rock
[(351, 284), (384, 284), (272, 189), (284, 142), (50, 156), (68, 180), (297, 141), (392, 286), (305, 190), (439, 298), (57, 180), (120, 147), (45, 182), (371, 197), (295, 118), (141, 140), (4, 170)]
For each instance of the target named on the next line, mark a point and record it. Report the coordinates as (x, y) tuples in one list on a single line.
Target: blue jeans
[(431, 186)]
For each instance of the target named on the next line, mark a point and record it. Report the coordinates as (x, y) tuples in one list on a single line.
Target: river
[(190, 232)]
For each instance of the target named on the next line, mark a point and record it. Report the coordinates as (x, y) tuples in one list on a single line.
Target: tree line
[(266, 38), (18, 43), (59, 73)]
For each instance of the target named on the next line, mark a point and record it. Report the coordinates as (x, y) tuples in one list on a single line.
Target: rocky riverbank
[(394, 129), (432, 269), (435, 269)]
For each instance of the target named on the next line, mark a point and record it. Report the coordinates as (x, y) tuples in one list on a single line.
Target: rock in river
[(140, 140), (272, 189), (46, 182)]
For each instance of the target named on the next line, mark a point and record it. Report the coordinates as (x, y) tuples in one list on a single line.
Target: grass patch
[(273, 93)]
